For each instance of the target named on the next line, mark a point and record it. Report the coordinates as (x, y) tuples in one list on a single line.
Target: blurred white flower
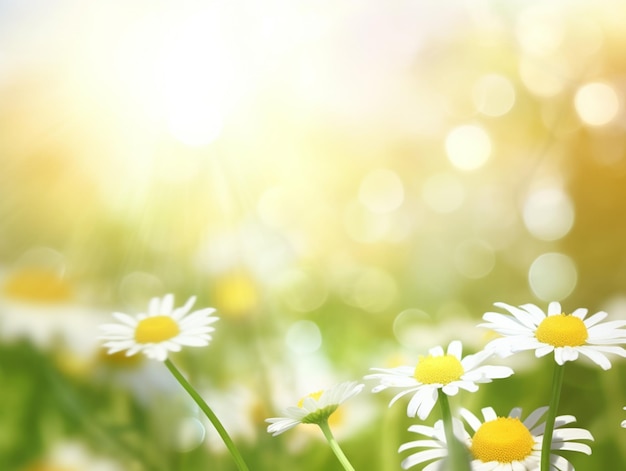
[(40, 305), (163, 329), (314, 408), (74, 456)]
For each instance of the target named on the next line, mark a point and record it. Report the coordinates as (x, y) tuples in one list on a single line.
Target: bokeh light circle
[(468, 147), (443, 192), (409, 327), (304, 337), (553, 276), (474, 258), (539, 79), (548, 214), (302, 290), (189, 434), (493, 95), (381, 191), (540, 30), (372, 290), (597, 104)]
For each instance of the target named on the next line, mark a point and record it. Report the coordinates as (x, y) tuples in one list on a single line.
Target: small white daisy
[(499, 443), (623, 424), (448, 372), (567, 335), (314, 408), (163, 329)]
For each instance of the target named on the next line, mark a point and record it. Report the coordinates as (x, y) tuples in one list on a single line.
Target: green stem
[(557, 382), (210, 414), (335, 446), (457, 454)]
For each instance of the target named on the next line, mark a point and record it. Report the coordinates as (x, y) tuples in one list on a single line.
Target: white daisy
[(163, 329), (623, 424), (567, 335), (499, 443), (314, 408), (448, 372)]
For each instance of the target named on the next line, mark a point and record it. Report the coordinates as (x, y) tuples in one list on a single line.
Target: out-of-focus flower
[(163, 329), (499, 443), (40, 305), (73, 456), (446, 371), (623, 424), (567, 335), (314, 408)]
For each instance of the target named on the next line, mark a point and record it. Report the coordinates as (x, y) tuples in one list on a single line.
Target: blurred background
[(349, 183)]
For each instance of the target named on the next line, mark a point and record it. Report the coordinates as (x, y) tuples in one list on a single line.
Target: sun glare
[(181, 72)]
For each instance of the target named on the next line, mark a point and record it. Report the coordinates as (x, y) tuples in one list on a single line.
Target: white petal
[(534, 417), (436, 351), (503, 324), (452, 389), (560, 463), (554, 308), (543, 351), (471, 419), (420, 444), (125, 319), (489, 414), (191, 341), (597, 357), (558, 355), (521, 315), (424, 404), (455, 349), (466, 385), (486, 373), (402, 394), (595, 318), (517, 466), (536, 312), (570, 354), (516, 412), (181, 311), (154, 307), (167, 304), (422, 457), (472, 361)]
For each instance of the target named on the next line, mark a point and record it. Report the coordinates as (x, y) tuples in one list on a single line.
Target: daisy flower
[(163, 329), (314, 408), (39, 304), (623, 424), (527, 327), (447, 372), (499, 443)]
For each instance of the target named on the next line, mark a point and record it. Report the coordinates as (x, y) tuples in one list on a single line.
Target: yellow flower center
[(156, 329), (318, 415), (441, 369), (315, 395), (504, 439), (37, 285), (562, 331)]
